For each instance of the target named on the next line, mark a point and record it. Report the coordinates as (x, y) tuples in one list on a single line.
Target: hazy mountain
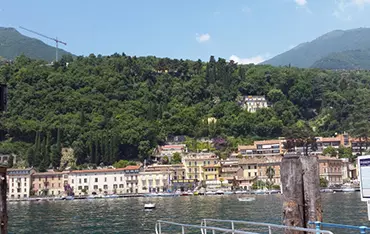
[(305, 55), (349, 60), (13, 44)]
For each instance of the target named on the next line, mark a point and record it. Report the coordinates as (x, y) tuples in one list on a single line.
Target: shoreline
[(117, 196)]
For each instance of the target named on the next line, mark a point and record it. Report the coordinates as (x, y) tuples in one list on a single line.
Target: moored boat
[(149, 206)]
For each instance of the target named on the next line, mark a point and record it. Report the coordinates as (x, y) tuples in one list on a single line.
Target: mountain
[(13, 44), (348, 60), (305, 55)]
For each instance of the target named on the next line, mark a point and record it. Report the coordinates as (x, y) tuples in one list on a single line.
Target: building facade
[(194, 163), (254, 103), (19, 183), (49, 183), (105, 181)]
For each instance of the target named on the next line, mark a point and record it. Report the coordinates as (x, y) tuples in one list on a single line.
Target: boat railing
[(159, 226), (319, 225), (268, 226)]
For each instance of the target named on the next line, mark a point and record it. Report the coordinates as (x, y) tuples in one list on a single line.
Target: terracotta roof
[(107, 170), (136, 167), (328, 139), (245, 161), (98, 170), (246, 147), (49, 173), (266, 142)]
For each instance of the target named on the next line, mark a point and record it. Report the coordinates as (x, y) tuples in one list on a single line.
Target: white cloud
[(255, 60), (202, 37), (344, 9), (301, 2), (360, 2)]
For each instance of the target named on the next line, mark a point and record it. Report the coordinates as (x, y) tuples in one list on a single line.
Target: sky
[(246, 31)]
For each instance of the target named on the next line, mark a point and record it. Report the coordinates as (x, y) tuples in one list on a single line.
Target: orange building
[(49, 183)]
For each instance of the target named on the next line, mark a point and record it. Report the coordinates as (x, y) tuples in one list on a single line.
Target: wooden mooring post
[(301, 191), (3, 205)]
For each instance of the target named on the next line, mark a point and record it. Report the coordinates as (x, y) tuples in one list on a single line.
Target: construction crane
[(50, 38)]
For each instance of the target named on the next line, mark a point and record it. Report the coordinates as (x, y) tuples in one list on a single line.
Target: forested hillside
[(347, 60), (121, 107)]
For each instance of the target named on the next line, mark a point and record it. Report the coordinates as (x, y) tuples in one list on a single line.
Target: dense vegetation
[(347, 60), (13, 44), (121, 107), (305, 55)]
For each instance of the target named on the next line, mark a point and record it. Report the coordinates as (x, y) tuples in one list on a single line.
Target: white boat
[(239, 192), (149, 206), (229, 193), (246, 199), (210, 193), (219, 192)]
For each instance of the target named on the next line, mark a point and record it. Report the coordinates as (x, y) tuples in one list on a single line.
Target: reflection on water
[(128, 215)]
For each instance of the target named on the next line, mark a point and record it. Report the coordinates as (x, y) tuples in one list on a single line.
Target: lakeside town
[(252, 167)]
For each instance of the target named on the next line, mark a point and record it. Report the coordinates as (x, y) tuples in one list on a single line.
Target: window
[(85, 180), (79, 187), (39, 179), (79, 181), (121, 186), (115, 179), (72, 181), (18, 190), (52, 185), (114, 186), (95, 187), (195, 163), (105, 179), (96, 180), (121, 178), (105, 186), (255, 167), (189, 163), (189, 170), (249, 174), (255, 174), (25, 190), (249, 167), (86, 187)]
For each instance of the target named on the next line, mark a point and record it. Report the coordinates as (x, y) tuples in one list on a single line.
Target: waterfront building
[(151, 181), (49, 183), (107, 181), (194, 163), (262, 148), (19, 182), (331, 169)]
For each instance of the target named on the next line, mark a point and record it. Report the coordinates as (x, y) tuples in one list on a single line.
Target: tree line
[(119, 107)]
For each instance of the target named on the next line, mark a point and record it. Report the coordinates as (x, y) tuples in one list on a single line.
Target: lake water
[(128, 216)]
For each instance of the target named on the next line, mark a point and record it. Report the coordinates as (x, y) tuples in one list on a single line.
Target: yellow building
[(194, 164), (211, 172)]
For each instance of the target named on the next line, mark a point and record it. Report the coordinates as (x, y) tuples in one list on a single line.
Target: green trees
[(111, 108), (323, 182), (176, 158)]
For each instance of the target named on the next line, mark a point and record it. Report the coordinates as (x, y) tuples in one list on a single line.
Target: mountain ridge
[(306, 54), (13, 44)]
